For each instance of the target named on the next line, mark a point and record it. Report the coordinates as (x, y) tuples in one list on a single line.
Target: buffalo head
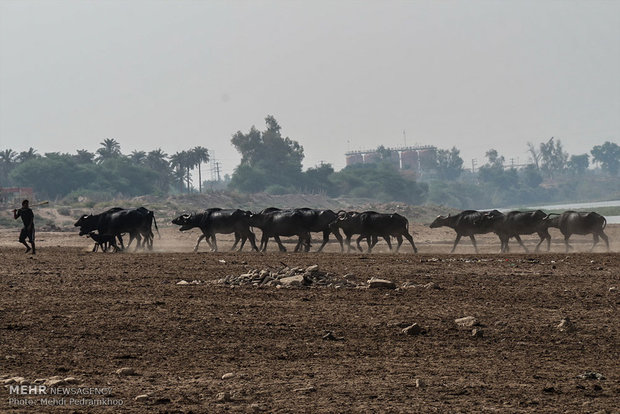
[(186, 221)]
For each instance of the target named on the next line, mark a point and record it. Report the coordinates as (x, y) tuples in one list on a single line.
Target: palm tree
[(201, 154), (157, 161), (7, 162), (139, 157), (84, 157), (28, 155), (182, 163), (110, 148)]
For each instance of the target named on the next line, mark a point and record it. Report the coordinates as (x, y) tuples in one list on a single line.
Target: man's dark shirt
[(27, 216)]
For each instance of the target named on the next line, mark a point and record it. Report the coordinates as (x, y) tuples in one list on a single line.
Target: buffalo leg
[(544, 235), (521, 243), (202, 236), (595, 240), (568, 246), (252, 238), (389, 243), (280, 245), (605, 239), (348, 240), (237, 238), (214, 243), (326, 239), (399, 239), (410, 238), (456, 241), (473, 241), (358, 243)]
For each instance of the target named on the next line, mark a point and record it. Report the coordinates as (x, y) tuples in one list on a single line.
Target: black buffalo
[(371, 225), (116, 221), (469, 223), (517, 223), (315, 221), (103, 241), (573, 222), (274, 223), (223, 221)]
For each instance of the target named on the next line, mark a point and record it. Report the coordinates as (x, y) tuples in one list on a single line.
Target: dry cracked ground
[(121, 324)]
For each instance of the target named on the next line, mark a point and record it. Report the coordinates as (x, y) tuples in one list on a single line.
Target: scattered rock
[(11, 357), (183, 282), (57, 382), (591, 375), (549, 390), (419, 383), (477, 333), (142, 398), (613, 289), (329, 336), (126, 371), (71, 380), (297, 280), (432, 285), (256, 408), (414, 329), (223, 397), (375, 283), (305, 390), (566, 325), (13, 380), (162, 400), (466, 321), (288, 277), (228, 375)]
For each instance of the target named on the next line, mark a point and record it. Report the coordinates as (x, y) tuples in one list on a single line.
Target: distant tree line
[(272, 163), (105, 171)]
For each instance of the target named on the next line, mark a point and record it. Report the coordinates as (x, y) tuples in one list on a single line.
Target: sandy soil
[(71, 313)]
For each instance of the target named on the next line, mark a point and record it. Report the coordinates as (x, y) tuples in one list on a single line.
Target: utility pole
[(217, 171), (405, 137), (473, 165)]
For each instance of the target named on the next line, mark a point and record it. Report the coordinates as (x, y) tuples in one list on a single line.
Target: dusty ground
[(71, 313)]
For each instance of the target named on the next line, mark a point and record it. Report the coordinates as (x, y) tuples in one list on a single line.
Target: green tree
[(182, 162), (531, 176), (449, 164), (8, 159), (608, 155), (138, 157), (553, 157), (84, 157), (110, 149), (317, 180), (27, 155), (267, 159), (200, 155), (578, 164)]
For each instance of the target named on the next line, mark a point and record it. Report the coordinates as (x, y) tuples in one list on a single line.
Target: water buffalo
[(516, 223), (469, 223), (320, 221), (117, 221), (103, 241), (371, 225), (573, 222), (275, 223), (222, 221)]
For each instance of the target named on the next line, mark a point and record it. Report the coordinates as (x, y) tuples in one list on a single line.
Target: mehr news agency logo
[(22, 395)]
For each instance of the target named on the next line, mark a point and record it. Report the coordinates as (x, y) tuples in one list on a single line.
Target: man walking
[(28, 231)]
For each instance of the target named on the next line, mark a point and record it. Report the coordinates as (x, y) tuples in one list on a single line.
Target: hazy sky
[(335, 74)]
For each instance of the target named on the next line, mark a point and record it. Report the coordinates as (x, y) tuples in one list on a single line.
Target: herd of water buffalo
[(108, 227)]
